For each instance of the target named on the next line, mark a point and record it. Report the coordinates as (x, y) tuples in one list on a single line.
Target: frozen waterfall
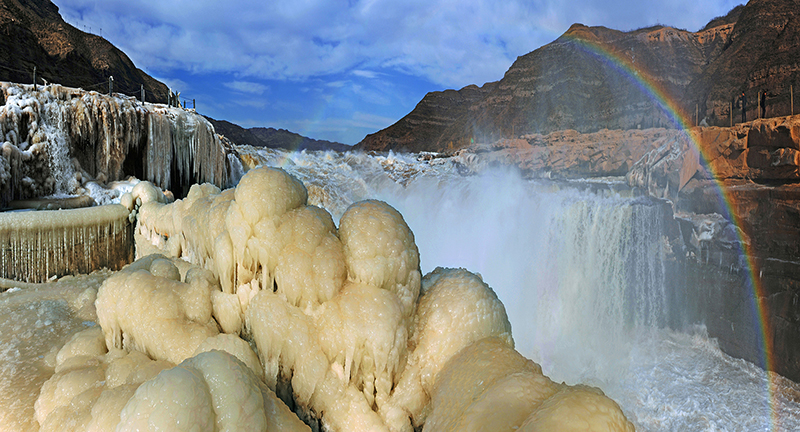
[(55, 139)]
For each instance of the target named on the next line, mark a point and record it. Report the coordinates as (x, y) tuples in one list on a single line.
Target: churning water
[(580, 271)]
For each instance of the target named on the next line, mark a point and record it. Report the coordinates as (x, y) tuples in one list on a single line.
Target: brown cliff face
[(763, 55), (590, 79), (32, 33), (577, 83)]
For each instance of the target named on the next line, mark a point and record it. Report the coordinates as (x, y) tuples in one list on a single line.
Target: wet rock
[(665, 170)]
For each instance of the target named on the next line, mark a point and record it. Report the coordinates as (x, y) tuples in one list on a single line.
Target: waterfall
[(235, 169), (581, 268), (577, 268), (577, 271)]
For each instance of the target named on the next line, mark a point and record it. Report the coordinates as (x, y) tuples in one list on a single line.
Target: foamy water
[(580, 274)]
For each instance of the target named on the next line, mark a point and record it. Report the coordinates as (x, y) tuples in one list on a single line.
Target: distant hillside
[(583, 81), (35, 34), (273, 138)]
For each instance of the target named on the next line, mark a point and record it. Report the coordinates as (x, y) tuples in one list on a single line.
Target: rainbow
[(683, 122)]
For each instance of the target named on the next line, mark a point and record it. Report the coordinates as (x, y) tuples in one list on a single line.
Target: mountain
[(594, 78), (35, 35), (272, 138)]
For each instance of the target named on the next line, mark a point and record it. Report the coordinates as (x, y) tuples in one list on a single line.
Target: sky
[(339, 70)]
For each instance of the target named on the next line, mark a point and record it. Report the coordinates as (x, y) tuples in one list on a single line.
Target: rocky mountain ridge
[(272, 138), (595, 78)]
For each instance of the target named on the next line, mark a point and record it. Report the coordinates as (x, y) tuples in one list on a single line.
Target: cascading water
[(581, 273)]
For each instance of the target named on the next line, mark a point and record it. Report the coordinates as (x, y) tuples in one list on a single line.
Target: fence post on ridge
[(142, 94), (110, 85), (34, 78)]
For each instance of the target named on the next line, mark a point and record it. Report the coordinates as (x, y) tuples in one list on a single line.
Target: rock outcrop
[(424, 128), (764, 151), (570, 154), (595, 78), (35, 35)]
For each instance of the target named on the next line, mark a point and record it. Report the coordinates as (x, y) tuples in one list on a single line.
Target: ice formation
[(98, 390), (256, 294), (55, 139), (380, 251), (38, 245), (486, 386), (489, 386), (456, 309), (148, 308), (340, 317)]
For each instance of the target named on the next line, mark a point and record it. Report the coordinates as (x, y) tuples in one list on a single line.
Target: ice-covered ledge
[(39, 245), (55, 139)]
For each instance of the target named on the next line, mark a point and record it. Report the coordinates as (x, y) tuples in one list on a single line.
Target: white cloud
[(258, 104), (448, 42), (247, 87), (364, 73)]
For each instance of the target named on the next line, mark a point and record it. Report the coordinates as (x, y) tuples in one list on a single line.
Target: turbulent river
[(580, 271)]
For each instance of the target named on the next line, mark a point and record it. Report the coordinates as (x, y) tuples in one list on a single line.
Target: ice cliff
[(54, 139)]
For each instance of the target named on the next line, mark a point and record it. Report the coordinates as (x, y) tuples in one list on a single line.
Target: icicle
[(101, 132), (65, 241)]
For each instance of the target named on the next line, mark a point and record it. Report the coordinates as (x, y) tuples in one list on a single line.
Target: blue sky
[(339, 70)]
